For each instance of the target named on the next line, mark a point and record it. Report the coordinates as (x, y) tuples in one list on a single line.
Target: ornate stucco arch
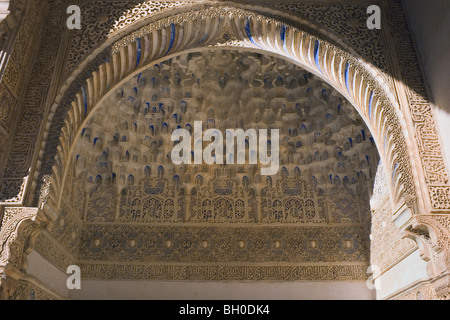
[(315, 50), (356, 79)]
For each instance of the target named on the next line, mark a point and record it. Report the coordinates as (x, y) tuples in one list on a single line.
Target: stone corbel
[(432, 234), (19, 226)]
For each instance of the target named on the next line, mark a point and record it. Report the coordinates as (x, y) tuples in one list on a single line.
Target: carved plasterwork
[(220, 273), (124, 201), (326, 151), (19, 35), (13, 220), (348, 21), (14, 180), (26, 290), (53, 251), (376, 103), (424, 292), (165, 26), (388, 246), (223, 244), (312, 13), (19, 228), (101, 25), (431, 232), (313, 50), (421, 115)]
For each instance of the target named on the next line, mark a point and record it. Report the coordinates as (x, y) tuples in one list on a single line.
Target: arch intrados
[(229, 48), (111, 91)]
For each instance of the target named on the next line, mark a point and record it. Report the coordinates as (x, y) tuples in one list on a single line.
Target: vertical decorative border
[(418, 104)]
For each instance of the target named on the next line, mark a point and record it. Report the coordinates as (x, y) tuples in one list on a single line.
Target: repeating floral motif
[(13, 85), (55, 252), (222, 201), (152, 200)]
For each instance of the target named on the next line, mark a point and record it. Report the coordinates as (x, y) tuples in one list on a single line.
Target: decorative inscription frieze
[(187, 244), (218, 273), (29, 122), (430, 148)]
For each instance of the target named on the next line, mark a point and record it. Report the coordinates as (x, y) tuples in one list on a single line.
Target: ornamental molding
[(14, 221), (221, 273)]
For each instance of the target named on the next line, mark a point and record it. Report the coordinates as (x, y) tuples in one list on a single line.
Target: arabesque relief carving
[(109, 175)]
